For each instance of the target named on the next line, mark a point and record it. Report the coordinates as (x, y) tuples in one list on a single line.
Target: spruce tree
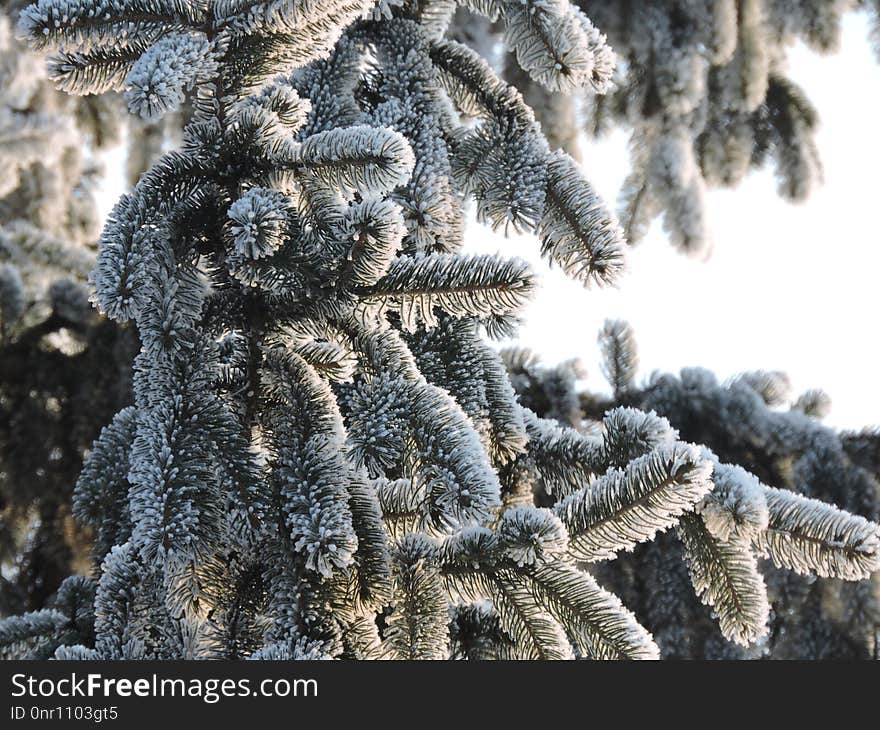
[(63, 370), (759, 434), (323, 457), (704, 87)]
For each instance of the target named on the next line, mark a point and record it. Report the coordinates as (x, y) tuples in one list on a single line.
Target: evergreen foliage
[(703, 87), (323, 457), (773, 518), (63, 370)]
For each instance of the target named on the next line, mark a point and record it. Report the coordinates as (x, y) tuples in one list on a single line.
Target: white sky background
[(787, 287)]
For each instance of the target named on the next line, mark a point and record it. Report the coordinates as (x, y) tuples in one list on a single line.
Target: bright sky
[(788, 287)]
